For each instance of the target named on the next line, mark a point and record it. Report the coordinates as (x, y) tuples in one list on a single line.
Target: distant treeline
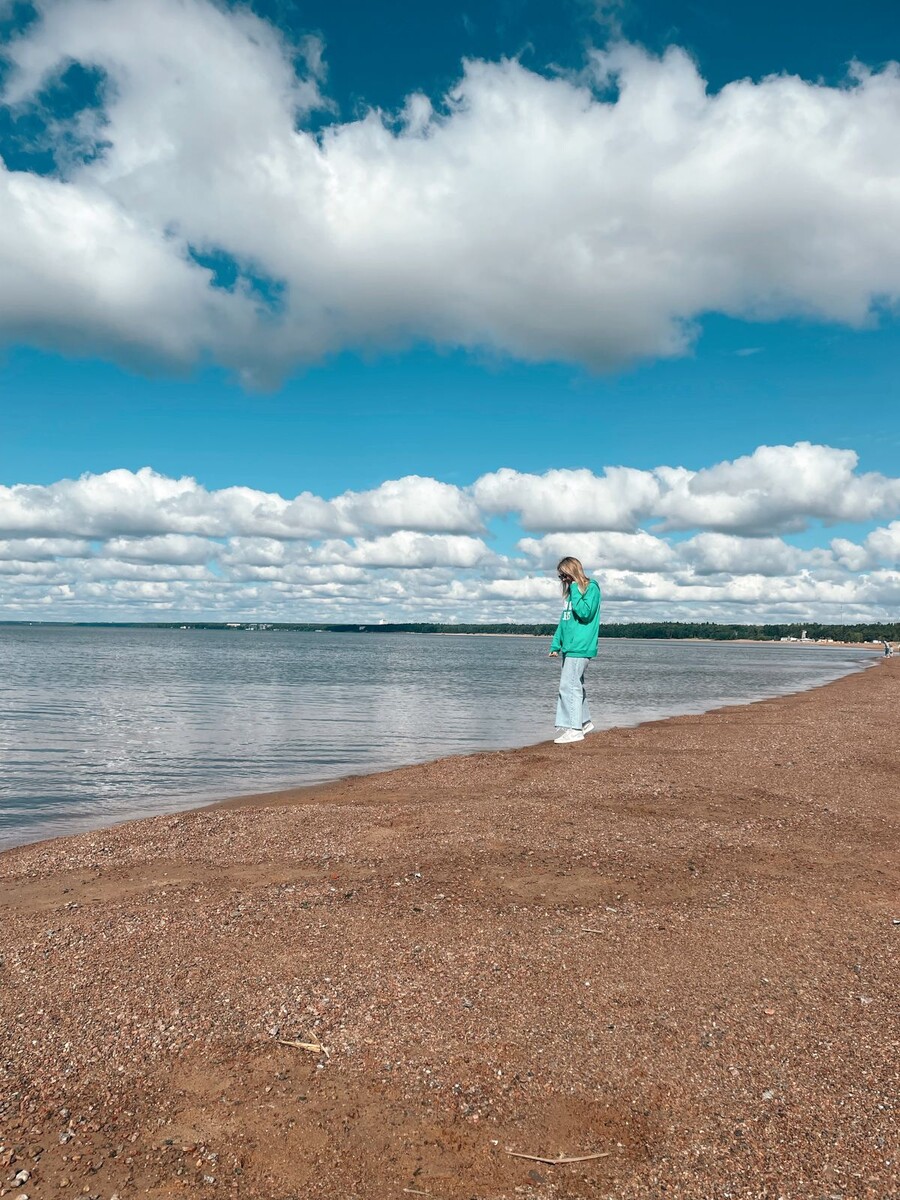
[(649, 629), (641, 629), (637, 629), (726, 633)]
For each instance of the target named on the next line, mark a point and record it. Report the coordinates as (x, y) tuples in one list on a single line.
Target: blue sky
[(381, 308)]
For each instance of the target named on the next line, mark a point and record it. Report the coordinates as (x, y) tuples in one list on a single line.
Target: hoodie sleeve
[(556, 644), (584, 607)]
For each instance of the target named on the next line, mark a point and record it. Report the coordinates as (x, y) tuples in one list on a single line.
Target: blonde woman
[(576, 641)]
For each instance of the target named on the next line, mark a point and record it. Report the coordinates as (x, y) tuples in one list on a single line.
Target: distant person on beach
[(576, 641), (888, 651)]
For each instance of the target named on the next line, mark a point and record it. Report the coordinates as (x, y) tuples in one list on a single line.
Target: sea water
[(99, 725)]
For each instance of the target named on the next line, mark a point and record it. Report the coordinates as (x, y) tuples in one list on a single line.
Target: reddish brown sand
[(674, 946)]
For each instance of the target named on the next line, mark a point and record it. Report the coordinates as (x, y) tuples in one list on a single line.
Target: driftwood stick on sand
[(561, 1159), (584, 929), (312, 1047)]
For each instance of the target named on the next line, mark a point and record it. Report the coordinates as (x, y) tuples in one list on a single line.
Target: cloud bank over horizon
[(190, 214), (667, 543)]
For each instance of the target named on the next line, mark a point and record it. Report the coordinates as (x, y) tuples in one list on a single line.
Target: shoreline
[(310, 793), (870, 647), (285, 794), (672, 945)]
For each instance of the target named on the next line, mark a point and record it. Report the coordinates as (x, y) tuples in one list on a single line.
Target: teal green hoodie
[(579, 625)]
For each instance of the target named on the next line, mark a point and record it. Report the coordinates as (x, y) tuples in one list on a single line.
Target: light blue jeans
[(572, 707)]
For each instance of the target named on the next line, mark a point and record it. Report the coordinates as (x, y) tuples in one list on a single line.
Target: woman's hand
[(553, 654)]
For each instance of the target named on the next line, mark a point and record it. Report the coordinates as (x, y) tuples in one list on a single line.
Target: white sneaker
[(587, 727), (569, 735)]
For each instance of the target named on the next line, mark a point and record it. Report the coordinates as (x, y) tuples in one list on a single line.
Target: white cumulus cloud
[(414, 502), (138, 543), (36, 549), (406, 548), (576, 500), (590, 219), (173, 548), (715, 553), (883, 545), (143, 503), (634, 551), (776, 488)]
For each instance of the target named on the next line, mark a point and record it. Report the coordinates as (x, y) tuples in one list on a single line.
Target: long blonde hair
[(572, 566)]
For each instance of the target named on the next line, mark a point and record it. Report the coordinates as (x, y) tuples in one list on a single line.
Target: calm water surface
[(100, 725)]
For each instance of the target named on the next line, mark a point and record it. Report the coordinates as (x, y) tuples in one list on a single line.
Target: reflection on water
[(98, 725)]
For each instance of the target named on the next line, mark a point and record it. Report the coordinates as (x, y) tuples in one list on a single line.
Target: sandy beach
[(668, 953)]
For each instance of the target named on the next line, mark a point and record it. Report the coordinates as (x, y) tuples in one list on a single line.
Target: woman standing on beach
[(576, 640)]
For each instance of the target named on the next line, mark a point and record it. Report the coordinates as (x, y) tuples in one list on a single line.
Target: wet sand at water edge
[(669, 952)]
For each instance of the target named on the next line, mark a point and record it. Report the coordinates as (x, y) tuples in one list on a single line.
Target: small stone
[(768, 1094), (22, 1177)]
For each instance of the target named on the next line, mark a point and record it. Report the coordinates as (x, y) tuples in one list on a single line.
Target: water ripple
[(100, 725)]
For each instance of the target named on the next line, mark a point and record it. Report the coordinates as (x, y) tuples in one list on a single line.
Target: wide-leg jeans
[(572, 710)]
